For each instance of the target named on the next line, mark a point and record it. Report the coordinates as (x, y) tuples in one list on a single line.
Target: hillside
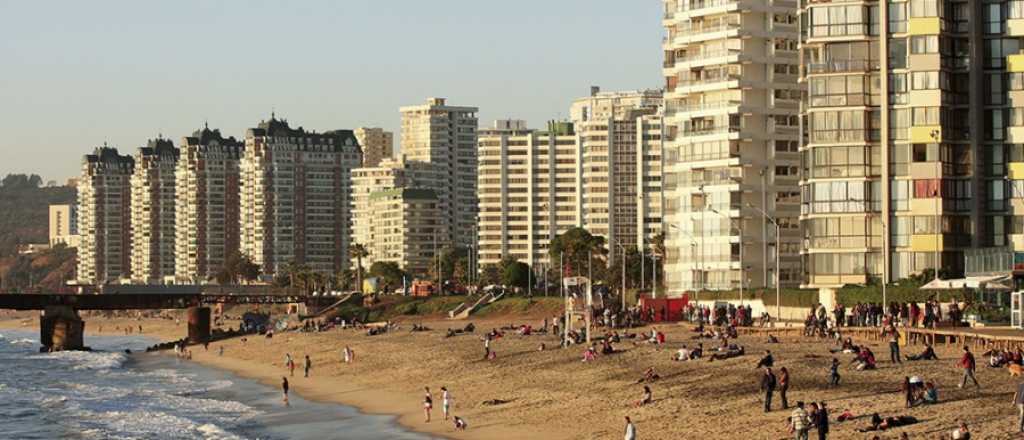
[(25, 210), (24, 218)]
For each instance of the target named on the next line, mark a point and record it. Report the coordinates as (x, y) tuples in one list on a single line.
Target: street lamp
[(740, 233), (693, 244), (935, 135), (623, 275), (778, 271)]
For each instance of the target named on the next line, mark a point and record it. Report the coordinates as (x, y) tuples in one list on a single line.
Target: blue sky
[(74, 74)]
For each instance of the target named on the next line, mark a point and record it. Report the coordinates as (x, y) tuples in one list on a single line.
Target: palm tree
[(358, 251)]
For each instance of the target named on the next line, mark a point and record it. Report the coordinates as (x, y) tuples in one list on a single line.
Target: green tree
[(453, 264), (490, 274), (577, 244), (237, 267), (516, 274), (358, 252), (389, 274)]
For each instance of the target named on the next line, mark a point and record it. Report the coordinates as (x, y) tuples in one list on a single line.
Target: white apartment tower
[(390, 174), (153, 212), (620, 135), (731, 143), (446, 137), (104, 217), (296, 196), (64, 225), (207, 192), (530, 187)]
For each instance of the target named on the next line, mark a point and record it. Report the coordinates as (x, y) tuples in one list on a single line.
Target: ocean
[(107, 394)]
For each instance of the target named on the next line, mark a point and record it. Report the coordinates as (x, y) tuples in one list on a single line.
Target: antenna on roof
[(272, 112), (206, 124)]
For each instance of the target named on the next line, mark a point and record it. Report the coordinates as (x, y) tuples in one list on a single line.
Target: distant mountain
[(25, 209)]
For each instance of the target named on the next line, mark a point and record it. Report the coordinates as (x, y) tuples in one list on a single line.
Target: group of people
[(905, 314), (446, 407)]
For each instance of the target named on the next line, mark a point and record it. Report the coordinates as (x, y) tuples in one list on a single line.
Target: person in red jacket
[(968, 364)]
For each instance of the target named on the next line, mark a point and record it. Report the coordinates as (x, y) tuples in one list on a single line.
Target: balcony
[(1015, 63), (708, 131), (924, 26), (1015, 27), (708, 55), (672, 107), (840, 66), (926, 170), (1016, 171)]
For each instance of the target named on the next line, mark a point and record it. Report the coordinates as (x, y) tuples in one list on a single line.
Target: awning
[(993, 282)]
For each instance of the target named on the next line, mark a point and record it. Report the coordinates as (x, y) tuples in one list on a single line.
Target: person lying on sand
[(649, 376), (880, 424), (847, 347), (927, 355), (730, 353)]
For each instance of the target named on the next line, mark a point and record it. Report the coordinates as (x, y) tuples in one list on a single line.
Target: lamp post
[(740, 234), (778, 271), (623, 275), (693, 243), (935, 135)]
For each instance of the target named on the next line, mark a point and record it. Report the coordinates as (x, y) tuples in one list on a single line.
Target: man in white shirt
[(630, 430)]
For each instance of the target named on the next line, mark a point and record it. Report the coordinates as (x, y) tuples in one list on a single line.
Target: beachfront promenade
[(977, 337)]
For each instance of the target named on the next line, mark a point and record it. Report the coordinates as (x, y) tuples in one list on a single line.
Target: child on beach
[(833, 373), (460, 424), (428, 403), (284, 388), (306, 366)]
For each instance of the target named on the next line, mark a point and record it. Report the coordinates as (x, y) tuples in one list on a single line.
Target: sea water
[(108, 394)]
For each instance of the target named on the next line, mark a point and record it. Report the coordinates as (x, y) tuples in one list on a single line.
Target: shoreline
[(551, 394), (406, 410)]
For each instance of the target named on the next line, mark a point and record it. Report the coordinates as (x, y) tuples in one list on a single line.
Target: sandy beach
[(552, 394)]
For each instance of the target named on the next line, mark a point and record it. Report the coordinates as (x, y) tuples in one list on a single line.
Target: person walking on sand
[(968, 364), (284, 388), (487, 346), (446, 402), (833, 373), (768, 386), (428, 403), (821, 421), (1018, 401), (306, 365), (630, 430), (784, 387), (799, 423)]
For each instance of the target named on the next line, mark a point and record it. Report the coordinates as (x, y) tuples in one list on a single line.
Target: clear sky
[(75, 74)]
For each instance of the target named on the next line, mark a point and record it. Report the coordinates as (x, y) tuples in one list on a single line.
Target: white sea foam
[(89, 360)]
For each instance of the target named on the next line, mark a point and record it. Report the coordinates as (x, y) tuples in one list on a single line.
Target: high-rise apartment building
[(912, 142), (389, 175), (446, 137), (377, 144), (731, 143), (296, 196), (152, 212), (207, 205), (64, 225), (104, 213), (621, 145), (404, 227), (530, 185)]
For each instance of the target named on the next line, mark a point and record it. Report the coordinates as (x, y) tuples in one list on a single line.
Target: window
[(929, 80), (1015, 81), (997, 49), (993, 21), (994, 93), (927, 188), (833, 21), (924, 44), (925, 8), (838, 126), (898, 53), (898, 87), (837, 91), (898, 18), (927, 116), (1015, 9)]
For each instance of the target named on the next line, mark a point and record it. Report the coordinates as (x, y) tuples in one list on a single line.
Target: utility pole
[(778, 270)]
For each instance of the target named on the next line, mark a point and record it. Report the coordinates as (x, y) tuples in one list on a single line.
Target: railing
[(708, 55), (710, 131), (702, 29), (835, 66), (702, 4), (708, 81), (671, 107)]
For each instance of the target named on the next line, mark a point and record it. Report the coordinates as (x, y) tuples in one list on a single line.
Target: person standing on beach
[(821, 421), (799, 422), (428, 403), (307, 365), (894, 344), (784, 387), (768, 386), (630, 430), (968, 364), (284, 388), (446, 402), (833, 373)]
